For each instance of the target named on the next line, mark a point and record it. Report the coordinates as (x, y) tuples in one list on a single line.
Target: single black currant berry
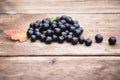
[(69, 38), (76, 25), (45, 26), (29, 33), (38, 35), (74, 40), (77, 32), (72, 28), (63, 17), (81, 40), (69, 19), (64, 34), (67, 26), (30, 29), (36, 25), (112, 40), (57, 31), (38, 21), (37, 29), (49, 32), (48, 39), (70, 33), (33, 38), (62, 27), (88, 42), (54, 37), (53, 26), (61, 39), (99, 38), (42, 38), (31, 25), (63, 21)]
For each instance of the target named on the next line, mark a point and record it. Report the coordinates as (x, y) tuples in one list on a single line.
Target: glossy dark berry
[(63, 17), (72, 28), (67, 26), (37, 30), (42, 38), (36, 25), (99, 38), (81, 40), (62, 27), (38, 21), (53, 26), (29, 33), (49, 32), (88, 42), (30, 29), (54, 37), (69, 19), (61, 39), (31, 25), (69, 38), (45, 26), (57, 31), (74, 40), (76, 25), (33, 38), (112, 40), (38, 35), (64, 34), (63, 21), (77, 32), (70, 33), (48, 39)]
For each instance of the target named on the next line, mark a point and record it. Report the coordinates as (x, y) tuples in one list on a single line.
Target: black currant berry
[(88, 42), (112, 40), (33, 38), (99, 38), (74, 40), (48, 39), (81, 40)]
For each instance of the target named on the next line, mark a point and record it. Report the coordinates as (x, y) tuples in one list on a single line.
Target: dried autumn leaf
[(17, 34)]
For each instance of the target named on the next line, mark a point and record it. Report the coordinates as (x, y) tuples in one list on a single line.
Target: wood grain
[(59, 68), (105, 24), (59, 6)]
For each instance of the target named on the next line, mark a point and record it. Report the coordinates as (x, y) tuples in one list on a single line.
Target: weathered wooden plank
[(59, 68), (58, 6), (107, 25)]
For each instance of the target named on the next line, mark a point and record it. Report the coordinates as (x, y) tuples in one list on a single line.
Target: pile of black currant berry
[(59, 29)]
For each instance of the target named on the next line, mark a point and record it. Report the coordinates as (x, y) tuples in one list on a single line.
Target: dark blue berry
[(69, 38), (62, 27), (64, 34), (48, 39), (29, 33), (72, 28), (45, 26), (54, 37), (88, 42), (49, 32), (38, 35), (81, 40), (99, 38), (61, 39), (112, 40), (42, 37), (74, 40), (33, 38), (57, 31)]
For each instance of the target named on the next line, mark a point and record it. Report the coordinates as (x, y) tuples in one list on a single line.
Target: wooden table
[(38, 61)]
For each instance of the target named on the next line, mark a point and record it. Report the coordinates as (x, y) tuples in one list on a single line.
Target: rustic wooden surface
[(38, 61)]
